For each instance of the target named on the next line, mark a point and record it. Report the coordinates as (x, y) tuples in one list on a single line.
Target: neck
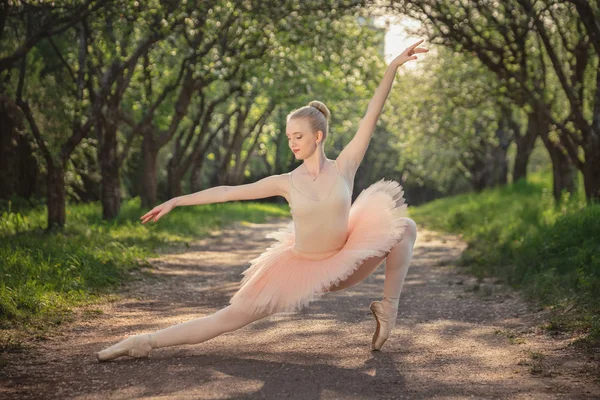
[(315, 162)]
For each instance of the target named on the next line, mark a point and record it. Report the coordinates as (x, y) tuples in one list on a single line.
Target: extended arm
[(267, 187), (275, 185), (352, 155)]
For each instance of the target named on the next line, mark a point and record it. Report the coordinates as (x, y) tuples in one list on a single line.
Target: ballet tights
[(202, 329), (396, 268), (397, 262), (233, 317)]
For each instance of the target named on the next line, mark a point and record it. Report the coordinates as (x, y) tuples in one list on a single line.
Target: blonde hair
[(317, 115)]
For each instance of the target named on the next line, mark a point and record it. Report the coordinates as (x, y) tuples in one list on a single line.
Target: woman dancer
[(330, 245)]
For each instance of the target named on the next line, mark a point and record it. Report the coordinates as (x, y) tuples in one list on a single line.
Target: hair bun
[(321, 107)]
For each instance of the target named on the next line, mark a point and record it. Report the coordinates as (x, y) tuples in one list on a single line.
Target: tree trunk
[(478, 181), (18, 166), (56, 196), (487, 162), (196, 174), (149, 181), (591, 173), (195, 178), (109, 168), (563, 172), (525, 144), (497, 154), (591, 151), (226, 170), (499, 170), (88, 172), (173, 180), (28, 169)]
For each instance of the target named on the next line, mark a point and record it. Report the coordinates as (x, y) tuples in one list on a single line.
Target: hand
[(408, 54), (158, 211)]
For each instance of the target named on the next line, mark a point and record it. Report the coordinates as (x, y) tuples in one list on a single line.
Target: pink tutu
[(284, 280)]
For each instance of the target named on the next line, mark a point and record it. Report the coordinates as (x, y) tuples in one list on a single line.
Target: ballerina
[(330, 245)]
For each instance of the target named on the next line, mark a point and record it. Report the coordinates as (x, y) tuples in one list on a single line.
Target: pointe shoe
[(137, 346), (384, 325)]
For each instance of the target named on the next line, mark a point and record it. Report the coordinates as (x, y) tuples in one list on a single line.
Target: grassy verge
[(517, 234), (43, 275)]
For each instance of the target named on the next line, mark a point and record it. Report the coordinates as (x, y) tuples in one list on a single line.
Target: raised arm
[(352, 155)]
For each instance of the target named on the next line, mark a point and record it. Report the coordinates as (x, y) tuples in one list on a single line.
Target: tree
[(57, 157), (501, 37)]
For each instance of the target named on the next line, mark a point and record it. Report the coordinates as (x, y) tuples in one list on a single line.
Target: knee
[(240, 313), (411, 229)]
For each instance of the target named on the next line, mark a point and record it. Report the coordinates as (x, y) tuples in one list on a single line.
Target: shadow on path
[(454, 338)]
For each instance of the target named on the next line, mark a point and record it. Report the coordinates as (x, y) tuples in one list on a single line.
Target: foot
[(137, 346), (385, 324)]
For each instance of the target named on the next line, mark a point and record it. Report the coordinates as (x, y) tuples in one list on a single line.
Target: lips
[(295, 151)]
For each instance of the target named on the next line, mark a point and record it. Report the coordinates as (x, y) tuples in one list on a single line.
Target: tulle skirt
[(283, 280)]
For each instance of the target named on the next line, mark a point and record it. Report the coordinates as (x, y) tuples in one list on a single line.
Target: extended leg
[(195, 331), (202, 329)]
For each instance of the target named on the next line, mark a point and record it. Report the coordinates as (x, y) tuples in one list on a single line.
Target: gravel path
[(454, 338)]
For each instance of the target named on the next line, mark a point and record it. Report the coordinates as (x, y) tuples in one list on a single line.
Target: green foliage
[(443, 124), (566, 257), (46, 273), (517, 233)]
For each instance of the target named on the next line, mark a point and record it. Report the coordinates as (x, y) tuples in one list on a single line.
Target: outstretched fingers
[(160, 214), (414, 49), (416, 44), (149, 215)]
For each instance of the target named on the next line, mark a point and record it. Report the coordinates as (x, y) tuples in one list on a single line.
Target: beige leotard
[(321, 216)]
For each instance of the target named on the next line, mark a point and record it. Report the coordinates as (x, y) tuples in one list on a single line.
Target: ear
[(319, 136)]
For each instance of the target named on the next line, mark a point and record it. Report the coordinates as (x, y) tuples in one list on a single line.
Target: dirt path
[(451, 341)]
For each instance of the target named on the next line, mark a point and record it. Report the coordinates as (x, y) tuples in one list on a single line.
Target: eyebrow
[(292, 133)]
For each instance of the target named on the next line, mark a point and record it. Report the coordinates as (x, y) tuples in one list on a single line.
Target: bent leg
[(202, 329), (397, 263), (367, 268), (396, 267)]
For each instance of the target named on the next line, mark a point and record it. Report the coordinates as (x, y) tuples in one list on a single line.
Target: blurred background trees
[(544, 57), (108, 100)]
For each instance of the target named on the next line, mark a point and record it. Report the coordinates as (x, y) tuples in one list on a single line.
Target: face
[(301, 139)]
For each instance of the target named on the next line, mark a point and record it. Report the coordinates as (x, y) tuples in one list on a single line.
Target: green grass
[(42, 275), (516, 233)]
